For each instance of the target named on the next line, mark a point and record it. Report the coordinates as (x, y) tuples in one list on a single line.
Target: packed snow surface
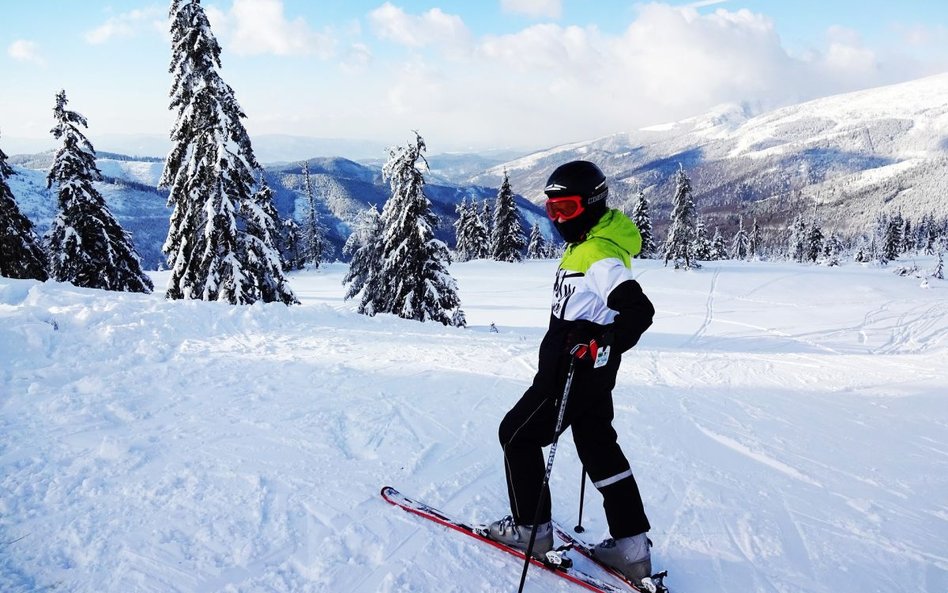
[(788, 426)]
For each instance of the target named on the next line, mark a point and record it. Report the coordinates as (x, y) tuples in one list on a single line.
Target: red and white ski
[(556, 564)]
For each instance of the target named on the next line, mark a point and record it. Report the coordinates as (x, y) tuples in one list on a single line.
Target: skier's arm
[(635, 314)]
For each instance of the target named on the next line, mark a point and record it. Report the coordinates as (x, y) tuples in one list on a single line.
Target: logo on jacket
[(563, 289)]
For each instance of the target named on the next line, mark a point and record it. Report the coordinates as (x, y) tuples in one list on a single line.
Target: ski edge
[(396, 498)]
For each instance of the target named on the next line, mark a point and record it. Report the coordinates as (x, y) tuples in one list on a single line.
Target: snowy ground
[(788, 425)]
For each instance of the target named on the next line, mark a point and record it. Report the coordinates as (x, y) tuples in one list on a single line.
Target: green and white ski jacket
[(595, 292)]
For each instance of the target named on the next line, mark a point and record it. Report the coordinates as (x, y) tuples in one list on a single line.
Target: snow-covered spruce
[(412, 279), (679, 246), (87, 246), (506, 240), (642, 218), (313, 233), (21, 252), (264, 276), (209, 175), (537, 246), (365, 248), (472, 240)]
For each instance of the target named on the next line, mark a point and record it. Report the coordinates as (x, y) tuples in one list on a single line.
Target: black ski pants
[(529, 426)]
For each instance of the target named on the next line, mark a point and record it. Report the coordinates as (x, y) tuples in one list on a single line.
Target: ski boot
[(628, 555), (516, 536)]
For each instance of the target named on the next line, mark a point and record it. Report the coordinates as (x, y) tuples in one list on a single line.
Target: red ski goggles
[(563, 208)]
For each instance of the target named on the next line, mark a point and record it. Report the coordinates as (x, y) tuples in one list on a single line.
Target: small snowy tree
[(365, 247), (292, 244), (939, 271), (507, 241), (740, 246), (537, 247), (87, 246), (893, 239), (832, 250), (414, 280), (264, 278), (681, 233), (487, 218), (718, 245), (701, 246), (755, 243), (313, 236), (643, 220), (21, 252), (813, 246), (796, 248), (464, 249)]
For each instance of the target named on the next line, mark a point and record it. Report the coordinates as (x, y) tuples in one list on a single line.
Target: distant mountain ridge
[(343, 188), (846, 158), (843, 159)]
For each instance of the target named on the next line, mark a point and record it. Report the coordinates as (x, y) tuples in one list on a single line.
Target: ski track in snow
[(787, 425)]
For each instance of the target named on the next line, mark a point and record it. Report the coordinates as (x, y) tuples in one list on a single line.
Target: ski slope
[(788, 426)]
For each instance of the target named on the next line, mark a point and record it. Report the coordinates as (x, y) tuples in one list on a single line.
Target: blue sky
[(467, 74)]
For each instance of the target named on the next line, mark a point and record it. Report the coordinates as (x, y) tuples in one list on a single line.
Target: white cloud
[(128, 25), (550, 83), (253, 27), (433, 27), (534, 8), (26, 51)]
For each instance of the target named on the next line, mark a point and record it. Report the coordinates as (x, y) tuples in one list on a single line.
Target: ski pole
[(582, 497), (549, 467)]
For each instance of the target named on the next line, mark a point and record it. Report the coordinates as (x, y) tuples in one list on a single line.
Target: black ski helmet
[(583, 179)]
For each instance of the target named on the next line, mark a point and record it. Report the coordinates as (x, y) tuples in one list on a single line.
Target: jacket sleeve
[(635, 313)]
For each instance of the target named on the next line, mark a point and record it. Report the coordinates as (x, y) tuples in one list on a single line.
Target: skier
[(596, 304)]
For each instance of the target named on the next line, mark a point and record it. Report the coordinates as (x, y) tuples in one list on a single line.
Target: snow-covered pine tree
[(718, 245), (414, 279), (832, 250), (463, 250), (487, 218), (292, 245), (740, 246), (927, 233), (506, 241), (756, 242), (893, 239), (814, 242), (313, 240), (908, 237), (701, 246), (264, 278), (478, 235), (939, 271), (365, 247), (796, 248), (643, 220), (537, 247), (681, 232), (209, 170), (21, 251), (87, 246)]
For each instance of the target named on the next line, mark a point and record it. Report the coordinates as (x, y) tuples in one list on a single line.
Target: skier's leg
[(524, 431), (610, 472), (596, 442)]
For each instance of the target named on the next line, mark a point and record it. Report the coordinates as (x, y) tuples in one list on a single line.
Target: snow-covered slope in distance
[(787, 425), (343, 188), (850, 156)]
